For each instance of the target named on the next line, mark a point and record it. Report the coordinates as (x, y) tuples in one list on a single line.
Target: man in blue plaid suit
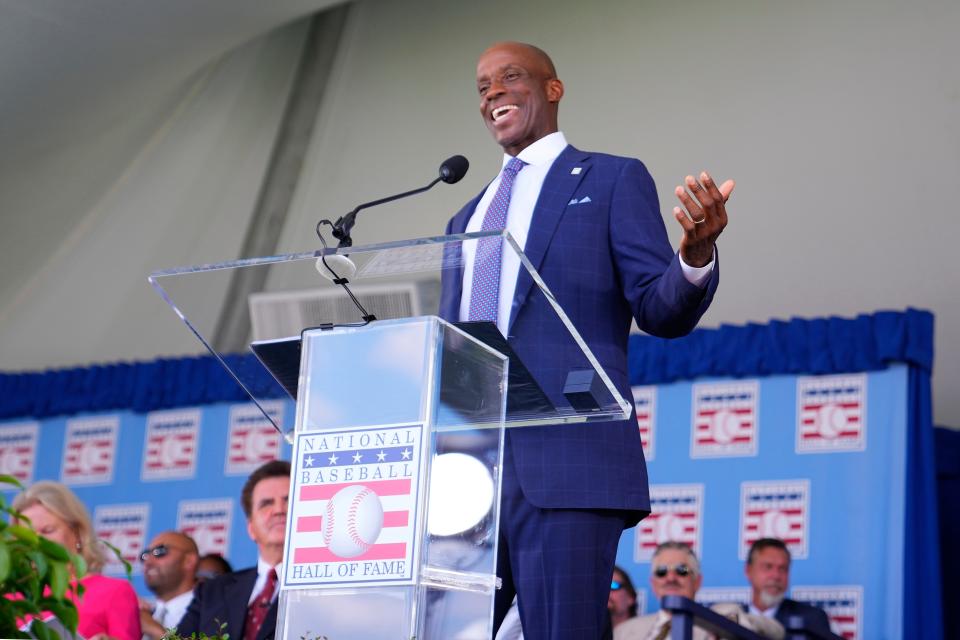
[(590, 223)]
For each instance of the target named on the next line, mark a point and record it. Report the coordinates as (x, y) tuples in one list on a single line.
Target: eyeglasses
[(157, 552), (615, 586), (682, 570)]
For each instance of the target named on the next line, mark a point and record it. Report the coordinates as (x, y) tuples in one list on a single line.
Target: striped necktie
[(485, 291)]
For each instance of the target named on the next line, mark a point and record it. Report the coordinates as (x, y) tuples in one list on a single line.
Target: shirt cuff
[(698, 276)]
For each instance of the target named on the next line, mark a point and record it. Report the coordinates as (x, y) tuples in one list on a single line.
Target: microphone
[(451, 171)]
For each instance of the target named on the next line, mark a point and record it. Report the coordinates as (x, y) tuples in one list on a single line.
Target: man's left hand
[(704, 219)]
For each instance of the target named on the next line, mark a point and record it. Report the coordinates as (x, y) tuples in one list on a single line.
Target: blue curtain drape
[(818, 346)]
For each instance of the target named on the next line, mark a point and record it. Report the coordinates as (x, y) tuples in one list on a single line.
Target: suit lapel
[(451, 280), (560, 184), (239, 593)]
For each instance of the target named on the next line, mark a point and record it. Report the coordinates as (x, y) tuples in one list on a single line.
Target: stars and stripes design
[(644, 402), (252, 438), (394, 495), (208, 523), (843, 604), (346, 457), (387, 462), (89, 450), (724, 419), (18, 450), (125, 527), (676, 515), (171, 444), (776, 509), (831, 414)]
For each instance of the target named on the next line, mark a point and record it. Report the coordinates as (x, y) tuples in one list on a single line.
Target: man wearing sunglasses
[(169, 571), (675, 571)]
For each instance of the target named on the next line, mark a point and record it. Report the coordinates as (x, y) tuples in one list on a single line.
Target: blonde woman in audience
[(108, 608)]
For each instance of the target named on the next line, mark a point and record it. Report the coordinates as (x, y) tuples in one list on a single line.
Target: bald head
[(532, 52), (519, 94), (170, 564)]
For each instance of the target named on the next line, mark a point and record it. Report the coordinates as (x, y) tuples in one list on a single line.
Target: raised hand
[(703, 217)]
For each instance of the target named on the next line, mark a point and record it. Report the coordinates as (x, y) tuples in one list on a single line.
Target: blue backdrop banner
[(815, 431)]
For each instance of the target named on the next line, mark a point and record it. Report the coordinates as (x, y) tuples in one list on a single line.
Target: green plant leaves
[(79, 565), (59, 579), (24, 534), (4, 561)]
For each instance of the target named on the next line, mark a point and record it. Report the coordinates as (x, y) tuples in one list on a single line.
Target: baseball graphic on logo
[(353, 521)]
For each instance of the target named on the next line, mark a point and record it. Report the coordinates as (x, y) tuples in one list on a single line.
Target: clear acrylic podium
[(399, 428)]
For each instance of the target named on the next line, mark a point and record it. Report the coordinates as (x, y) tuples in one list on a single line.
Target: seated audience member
[(768, 570), (246, 601), (675, 570), (109, 607), (211, 566), (622, 603), (169, 571)]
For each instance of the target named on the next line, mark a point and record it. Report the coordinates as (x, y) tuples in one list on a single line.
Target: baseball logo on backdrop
[(709, 596), (831, 413), (843, 604), (775, 509), (353, 507), (89, 450), (208, 523), (125, 527), (171, 444), (18, 450), (724, 419), (676, 515), (252, 439), (645, 404)]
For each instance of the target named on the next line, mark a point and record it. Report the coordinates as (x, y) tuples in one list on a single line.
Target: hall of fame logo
[(208, 523), (125, 527), (831, 414), (775, 509), (843, 604), (353, 508), (709, 596), (252, 439), (676, 515), (18, 450), (89, 450), (645, 403), (724, 420), (170, 445)]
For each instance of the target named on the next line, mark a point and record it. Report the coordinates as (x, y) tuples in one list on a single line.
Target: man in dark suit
[(590, 223), (246, 601), (768, 570)]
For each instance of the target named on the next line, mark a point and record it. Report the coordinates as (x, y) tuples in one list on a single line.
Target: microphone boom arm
[(343, 225)]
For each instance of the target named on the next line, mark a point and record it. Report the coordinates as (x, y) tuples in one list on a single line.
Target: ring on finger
[(701, 220)]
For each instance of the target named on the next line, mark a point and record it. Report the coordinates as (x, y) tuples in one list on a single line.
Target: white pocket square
[(583, 200)]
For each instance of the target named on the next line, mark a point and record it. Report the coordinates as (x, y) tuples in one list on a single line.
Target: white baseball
[(353, 521)]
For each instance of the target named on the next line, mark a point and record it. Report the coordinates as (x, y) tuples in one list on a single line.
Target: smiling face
[(519, 94)]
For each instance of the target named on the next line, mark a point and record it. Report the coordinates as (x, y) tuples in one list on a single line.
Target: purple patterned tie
[(486, 265)]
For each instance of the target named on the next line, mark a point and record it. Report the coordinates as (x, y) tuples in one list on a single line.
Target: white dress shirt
[(766, 613), (169, 612), (539, 158), (263, 569)]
